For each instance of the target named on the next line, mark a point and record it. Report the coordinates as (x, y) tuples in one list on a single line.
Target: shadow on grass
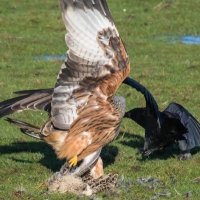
[(168, 152), (108, 153), (50, 160)]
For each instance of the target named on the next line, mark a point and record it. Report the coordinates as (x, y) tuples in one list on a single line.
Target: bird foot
[(140, 151), (73, 161), (184, 156), (146, 152)]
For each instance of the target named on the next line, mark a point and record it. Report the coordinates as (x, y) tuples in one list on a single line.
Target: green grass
[(170, 71)]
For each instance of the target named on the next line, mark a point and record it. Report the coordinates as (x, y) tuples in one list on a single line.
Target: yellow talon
[(73, 161)]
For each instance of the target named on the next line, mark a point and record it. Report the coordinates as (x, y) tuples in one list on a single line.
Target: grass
[(170, 71)]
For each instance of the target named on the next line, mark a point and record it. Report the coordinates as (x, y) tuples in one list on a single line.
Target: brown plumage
[(84, 115)]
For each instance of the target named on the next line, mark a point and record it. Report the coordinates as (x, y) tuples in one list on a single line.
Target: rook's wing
[(151, 104), (193, 126)]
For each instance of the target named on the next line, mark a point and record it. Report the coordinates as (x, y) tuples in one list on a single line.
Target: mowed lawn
[(171, 71)]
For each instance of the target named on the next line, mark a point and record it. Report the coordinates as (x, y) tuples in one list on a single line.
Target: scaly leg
[(185, 152), (145, 148), (150, 151), (185, 155), (73, 161)]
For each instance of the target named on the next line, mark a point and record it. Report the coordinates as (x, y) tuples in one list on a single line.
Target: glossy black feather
[(164, 128), (147, 117), (192, 125), (151, 104)]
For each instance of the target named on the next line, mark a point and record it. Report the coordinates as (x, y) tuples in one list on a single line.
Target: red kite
[(84, 114)]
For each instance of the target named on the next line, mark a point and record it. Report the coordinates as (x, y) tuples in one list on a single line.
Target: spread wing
[(95, 55), (143, 116), (29, 100), (90, 28), (192, 125)]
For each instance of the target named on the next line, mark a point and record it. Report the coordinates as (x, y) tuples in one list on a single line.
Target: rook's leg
[(185, 153)]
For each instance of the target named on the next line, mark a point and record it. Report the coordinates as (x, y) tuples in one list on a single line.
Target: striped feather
[(82, 115), (92, 48), (28, 129), (30, 100)]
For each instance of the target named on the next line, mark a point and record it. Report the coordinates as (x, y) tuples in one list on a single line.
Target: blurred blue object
[(190, 39), (50, 57)]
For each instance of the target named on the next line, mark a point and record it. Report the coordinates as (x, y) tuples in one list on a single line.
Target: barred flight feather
[(82, 99)]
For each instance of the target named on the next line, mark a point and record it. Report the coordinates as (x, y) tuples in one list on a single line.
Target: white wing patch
[(85, 58)]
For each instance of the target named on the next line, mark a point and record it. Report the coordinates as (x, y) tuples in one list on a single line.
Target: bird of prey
[(174, 125), (84, 114)]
